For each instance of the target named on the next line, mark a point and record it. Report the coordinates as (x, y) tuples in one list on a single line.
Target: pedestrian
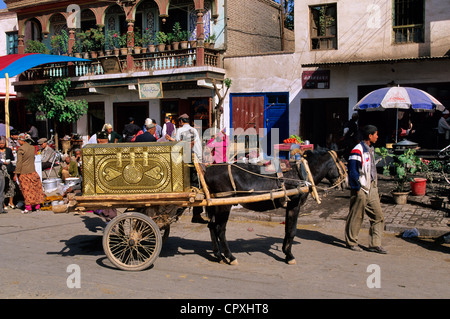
[(187, 133), (146, 122), (47, 154), (444, 129), (148, 135), (168, 128), (102, 137), (113, 137), (364, 197), (68, 167), (158, 129), (7, 170), (13, 143), (78, 158), (33, 133), (130, 130), (218, 145), (25, 173)]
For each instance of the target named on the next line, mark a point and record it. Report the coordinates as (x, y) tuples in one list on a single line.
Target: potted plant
[(405, 165), (85, 43), (170, 40), (210, 41), (123, 44), (60, 43), (184, 37), (137, 41), (110, 40), (148, 41), (192, 40), (176, 34), (98, 39), (161, 37), (34, 46), (76, 48)]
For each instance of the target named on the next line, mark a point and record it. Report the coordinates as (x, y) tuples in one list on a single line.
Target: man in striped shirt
[(364, 197)]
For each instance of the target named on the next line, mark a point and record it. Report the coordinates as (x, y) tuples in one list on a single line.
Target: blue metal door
[(276, 118)]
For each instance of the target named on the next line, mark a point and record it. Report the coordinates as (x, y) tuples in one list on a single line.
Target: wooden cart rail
[(185, 199)]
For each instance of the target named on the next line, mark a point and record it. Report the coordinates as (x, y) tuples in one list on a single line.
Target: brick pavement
[(417, 213)]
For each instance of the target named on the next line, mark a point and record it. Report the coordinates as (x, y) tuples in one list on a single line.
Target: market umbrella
[(399, 98), (14, 64)]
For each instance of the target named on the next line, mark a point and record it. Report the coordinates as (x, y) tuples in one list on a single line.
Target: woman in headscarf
[(25, 172), (6, 158)]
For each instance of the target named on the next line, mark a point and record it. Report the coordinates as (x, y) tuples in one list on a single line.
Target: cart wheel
[(132, 241)]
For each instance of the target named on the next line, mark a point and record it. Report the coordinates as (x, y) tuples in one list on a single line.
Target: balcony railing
[(153, 61)]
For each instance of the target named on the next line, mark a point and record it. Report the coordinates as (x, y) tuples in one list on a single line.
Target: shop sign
[(111, 64), (319, 79), (151, 90)]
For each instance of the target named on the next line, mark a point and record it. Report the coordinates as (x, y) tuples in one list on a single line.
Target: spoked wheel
[(132, 241)]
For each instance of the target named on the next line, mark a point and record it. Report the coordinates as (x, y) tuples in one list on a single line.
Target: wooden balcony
[(153, 61)]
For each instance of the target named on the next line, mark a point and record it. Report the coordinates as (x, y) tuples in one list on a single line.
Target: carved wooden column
[(130, 44), (20, 44), (71, 39), (200, 39)]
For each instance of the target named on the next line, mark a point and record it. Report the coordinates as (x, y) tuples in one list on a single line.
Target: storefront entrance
[(123, 111), (322, 120), (198, 110)]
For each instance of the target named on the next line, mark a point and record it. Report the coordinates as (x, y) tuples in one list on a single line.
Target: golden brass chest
[(134, 168)]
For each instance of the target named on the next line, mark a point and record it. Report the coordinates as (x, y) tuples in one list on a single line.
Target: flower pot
[(85, 55), (175, 45), (77, 55), (101, 54), (161, 47), (193, 43), (137, 50), (94, 54), (108, 52), (418, 186), (183, 44), (123, 51), (116, 51), (400, 198), (143, 50), (151, 48)]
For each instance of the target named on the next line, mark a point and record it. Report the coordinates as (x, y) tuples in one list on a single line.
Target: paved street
[(38, 248)]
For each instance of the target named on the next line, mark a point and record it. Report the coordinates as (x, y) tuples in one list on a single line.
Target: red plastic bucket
[(418, 186)]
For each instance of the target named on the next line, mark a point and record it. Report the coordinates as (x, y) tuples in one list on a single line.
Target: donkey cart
[(133, 239)]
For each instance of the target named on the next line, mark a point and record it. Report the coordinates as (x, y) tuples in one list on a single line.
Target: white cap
[(446, 112)]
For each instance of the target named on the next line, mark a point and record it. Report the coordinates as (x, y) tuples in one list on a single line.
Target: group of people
[(150, 132)]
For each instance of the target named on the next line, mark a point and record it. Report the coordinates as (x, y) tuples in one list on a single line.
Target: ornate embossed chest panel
[(134, 168)]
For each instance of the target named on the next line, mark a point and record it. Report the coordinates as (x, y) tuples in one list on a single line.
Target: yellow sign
[(148, 91)]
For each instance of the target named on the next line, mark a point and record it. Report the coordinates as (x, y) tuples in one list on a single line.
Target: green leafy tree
[(50, 102)]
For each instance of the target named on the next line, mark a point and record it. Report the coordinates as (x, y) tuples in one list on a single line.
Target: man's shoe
[(378, 249), (354, 247), (198, 220)]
